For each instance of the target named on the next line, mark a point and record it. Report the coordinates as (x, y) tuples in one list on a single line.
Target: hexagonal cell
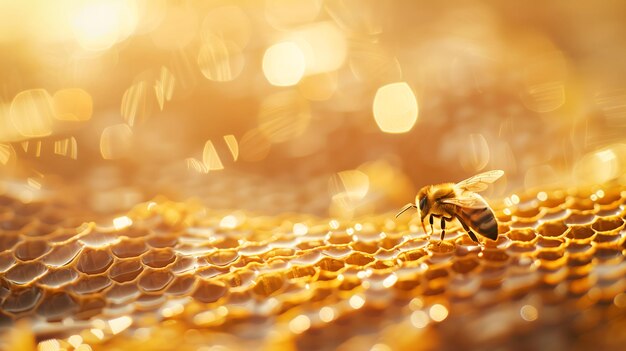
[(163, 241), (552, 229), (62, 254), (575, 248), (582, 204), (183, 265), (51, 218), (89, 308), (89, 285), (59, 277), (39, 229), (359, 259), (56, 306), (525, 235), (580, 218), (555, 215), (25, 273), (208, 292), (152, 281), (125, 270), (158, 258), (29, 209), (129, 248), (330, 264), (15, 223), (8, 240), (94, 261), (465, 266), (608, 253), (149, 302), (22, 300), (608, 224), (494, 255), (580, 232), (547, 242), (97, 239), (528, 212), (182, 285), (31, 249), (6, 261), (223, 257), (134, 232), (123, 293)]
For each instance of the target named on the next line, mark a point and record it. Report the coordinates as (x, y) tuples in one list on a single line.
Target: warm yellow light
[(210, 158), (529, 313), (122, 222), (49, 345), (118, 325), (6, 153), (283, 64), (99, 24), (438, 312), (75, 340), (348, 187), (72, 105), (319, 87), (419, 319), (233, 146), (177, 29), (282, 14), (356, 301), (474, 154), (164, 86), (220, 60), (300, 324), (300, 229), (323, 45), (137, 103), (327, 314), (390, 280), (32, 113), (116, 141), (229, 222), (395, 108), (284, 116)]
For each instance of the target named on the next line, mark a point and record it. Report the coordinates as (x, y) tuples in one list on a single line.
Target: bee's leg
[(431, 223), (469, 232), (473, 236), (443, 227)]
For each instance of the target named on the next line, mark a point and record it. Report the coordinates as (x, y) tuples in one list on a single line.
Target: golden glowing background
[(375, 98), (206, 170)]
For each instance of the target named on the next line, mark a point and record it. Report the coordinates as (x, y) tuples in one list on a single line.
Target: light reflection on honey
[(225, 174)]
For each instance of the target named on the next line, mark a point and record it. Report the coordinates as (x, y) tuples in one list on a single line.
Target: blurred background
[(336, 107)]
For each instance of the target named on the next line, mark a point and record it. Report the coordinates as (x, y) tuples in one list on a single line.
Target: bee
[(449, 201)]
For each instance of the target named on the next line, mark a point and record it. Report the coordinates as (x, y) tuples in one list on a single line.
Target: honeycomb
[(179, 275)]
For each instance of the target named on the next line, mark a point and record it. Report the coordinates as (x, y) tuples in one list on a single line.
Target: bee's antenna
[(405, 208)]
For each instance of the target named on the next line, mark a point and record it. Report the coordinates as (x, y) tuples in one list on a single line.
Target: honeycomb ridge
[(237, 280)]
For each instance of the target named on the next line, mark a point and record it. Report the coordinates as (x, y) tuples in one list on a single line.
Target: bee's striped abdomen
[(481, 220)]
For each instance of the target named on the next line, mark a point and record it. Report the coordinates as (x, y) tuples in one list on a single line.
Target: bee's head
[(421, 201)]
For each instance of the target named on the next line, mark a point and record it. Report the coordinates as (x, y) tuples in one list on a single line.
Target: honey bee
[(449, 201)]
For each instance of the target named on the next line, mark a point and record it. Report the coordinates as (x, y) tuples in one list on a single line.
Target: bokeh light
[(395, 108), (283, 64)]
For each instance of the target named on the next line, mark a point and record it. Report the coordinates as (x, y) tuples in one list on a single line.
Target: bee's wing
[(480, 181), (467, 200)]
